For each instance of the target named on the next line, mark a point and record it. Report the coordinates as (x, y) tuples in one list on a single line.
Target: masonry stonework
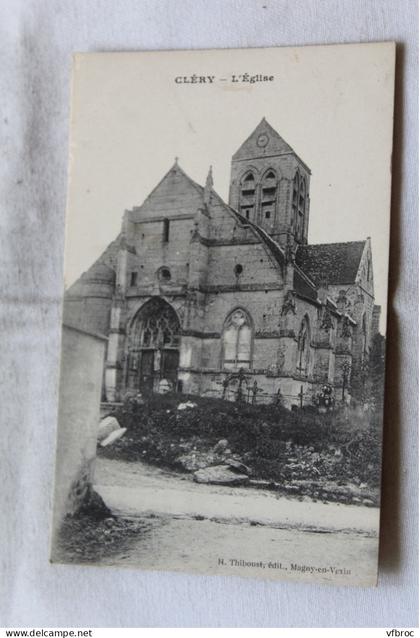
[(219, 298)]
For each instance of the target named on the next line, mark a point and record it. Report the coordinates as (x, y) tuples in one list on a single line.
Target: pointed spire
[(208, 186), (175, 165), (209, 180)]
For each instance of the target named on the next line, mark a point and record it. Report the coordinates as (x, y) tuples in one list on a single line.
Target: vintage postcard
[(224, 317)]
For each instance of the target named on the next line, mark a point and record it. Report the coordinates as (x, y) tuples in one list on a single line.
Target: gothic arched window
[(301, 208), (247, 195), (165, 235), (153, 346), (299, 205), (156, 326), (303, 347), (364, 336), (268, 196), (295, 201), (237, 340)]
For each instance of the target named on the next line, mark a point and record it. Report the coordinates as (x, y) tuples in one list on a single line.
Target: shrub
[(334, 446)]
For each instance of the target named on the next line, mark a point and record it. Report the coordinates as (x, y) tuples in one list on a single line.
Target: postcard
[(224, 313)]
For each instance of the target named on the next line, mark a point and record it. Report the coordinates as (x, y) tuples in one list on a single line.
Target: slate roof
[(102, 270), (303, 287), (337, 263)]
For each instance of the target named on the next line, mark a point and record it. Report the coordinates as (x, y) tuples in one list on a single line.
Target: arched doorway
[(153, 346)]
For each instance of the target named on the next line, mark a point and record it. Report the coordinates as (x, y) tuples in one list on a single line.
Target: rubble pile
[(220, 442)]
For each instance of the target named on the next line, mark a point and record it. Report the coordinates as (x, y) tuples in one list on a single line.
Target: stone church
[(198, 292)]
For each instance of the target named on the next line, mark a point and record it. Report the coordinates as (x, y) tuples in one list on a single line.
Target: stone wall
[(82, 360)]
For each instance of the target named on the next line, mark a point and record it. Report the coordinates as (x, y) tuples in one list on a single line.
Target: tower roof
[(264, 140)]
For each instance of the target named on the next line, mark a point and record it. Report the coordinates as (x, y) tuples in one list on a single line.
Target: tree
[(377, 374), (368, 378)]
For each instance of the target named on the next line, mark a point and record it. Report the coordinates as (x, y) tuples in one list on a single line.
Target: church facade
[(198, 293)]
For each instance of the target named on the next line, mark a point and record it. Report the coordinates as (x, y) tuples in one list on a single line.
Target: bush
[(275, 443)]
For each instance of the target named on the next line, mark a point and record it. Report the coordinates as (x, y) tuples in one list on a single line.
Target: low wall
[(82, 360)]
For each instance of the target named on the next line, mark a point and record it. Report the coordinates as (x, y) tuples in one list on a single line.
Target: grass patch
[(83, 539)]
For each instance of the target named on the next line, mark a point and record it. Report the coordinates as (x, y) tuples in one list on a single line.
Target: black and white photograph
[(224, 313)]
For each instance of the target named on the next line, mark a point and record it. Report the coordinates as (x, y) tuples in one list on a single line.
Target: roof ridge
[(267, 123), (190, 179), (335, 243), (268, 240), (176, 167)]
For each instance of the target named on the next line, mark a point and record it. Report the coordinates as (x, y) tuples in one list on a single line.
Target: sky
[(130, 118)]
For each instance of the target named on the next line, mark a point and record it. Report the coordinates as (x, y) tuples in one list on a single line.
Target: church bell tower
[(269, 185)]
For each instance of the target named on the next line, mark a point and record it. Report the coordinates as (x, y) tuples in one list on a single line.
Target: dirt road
[(239, 530)]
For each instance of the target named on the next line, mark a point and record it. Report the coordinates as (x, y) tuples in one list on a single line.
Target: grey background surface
[(37, 40)]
